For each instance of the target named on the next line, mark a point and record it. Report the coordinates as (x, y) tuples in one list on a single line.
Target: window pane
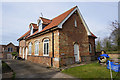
[(46, 40), (75, 23), (44, 48), (11, 49), (47, 48), (8, 49)]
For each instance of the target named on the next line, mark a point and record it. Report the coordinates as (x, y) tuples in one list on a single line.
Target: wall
[(46, 60), (92, 42), (7, 54), (70, 35), (116, 56), (22, 44)]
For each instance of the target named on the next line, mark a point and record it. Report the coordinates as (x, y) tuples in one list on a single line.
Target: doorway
[(76, 52)]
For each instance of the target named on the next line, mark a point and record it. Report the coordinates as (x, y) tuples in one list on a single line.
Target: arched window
[(36, 48), (75, 22), (90, 48), (30, 48), (46, 47)]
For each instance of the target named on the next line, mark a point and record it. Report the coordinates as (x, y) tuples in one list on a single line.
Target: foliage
[(5, 68), (107, 46), (14, 54), (115, 35), (93, 70), (111, 43), (98, 45)]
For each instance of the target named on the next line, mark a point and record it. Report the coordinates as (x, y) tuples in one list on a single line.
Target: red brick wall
[(41, 58), (22, 44), (14, 49), (92, 42), (71, 34)]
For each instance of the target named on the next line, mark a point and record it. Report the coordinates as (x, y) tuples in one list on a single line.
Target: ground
[(92, 70), (25, 69)]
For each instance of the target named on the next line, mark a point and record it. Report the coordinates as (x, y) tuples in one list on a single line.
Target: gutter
[(52, 48), (43, 32)]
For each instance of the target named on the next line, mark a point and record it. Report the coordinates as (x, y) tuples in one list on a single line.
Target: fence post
[(110, 70)]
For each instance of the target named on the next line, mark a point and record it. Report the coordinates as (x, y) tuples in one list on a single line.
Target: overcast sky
[(16, 16)]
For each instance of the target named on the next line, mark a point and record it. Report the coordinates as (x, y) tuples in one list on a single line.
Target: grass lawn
[(93, 70), (5, 68)]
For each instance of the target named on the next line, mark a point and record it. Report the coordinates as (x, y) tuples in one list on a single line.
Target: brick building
[(6, 50), (64, 40)]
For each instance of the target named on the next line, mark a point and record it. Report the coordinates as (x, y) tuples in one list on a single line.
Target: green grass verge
[(5, 68), (93, 70)]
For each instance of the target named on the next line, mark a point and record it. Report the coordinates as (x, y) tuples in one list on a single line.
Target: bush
[(14, 54)]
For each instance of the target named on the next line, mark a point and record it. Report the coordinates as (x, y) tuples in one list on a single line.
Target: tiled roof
[(45, 21), (34, 26), (57, 20), (93, 35), (24, 34), (51, 23)]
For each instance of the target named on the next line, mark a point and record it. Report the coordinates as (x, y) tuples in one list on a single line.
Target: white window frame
[(31, 30), (75, 22), (36, 47), (46, 49), (10, 49), (90, 48), (30, 47), (20, 50)]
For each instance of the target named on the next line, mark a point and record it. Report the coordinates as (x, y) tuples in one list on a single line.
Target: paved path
[(26, 69)]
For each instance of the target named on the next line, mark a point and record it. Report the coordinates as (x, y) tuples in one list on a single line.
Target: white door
[(23, 53), (26, 53), (76, 52)]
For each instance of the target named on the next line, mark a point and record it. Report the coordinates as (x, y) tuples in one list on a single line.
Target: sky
[(16, 16)]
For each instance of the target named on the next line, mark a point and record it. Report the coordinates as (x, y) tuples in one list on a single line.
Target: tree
[(98, 45), (115, 35), (107, 46)]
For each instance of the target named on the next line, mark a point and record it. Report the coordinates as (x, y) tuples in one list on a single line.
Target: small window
[(46, 47), (9, 49), (36, 48), (75, 22), (30, 48), (90, 48)]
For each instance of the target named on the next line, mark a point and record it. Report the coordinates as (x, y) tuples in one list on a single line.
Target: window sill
[(45, 55), (36, 54)]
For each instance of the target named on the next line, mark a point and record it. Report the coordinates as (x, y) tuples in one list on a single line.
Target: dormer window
[(39, 22), (40, 25)]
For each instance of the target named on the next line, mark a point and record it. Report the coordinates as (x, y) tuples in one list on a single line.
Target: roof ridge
[(66, 12), (45, 18)]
